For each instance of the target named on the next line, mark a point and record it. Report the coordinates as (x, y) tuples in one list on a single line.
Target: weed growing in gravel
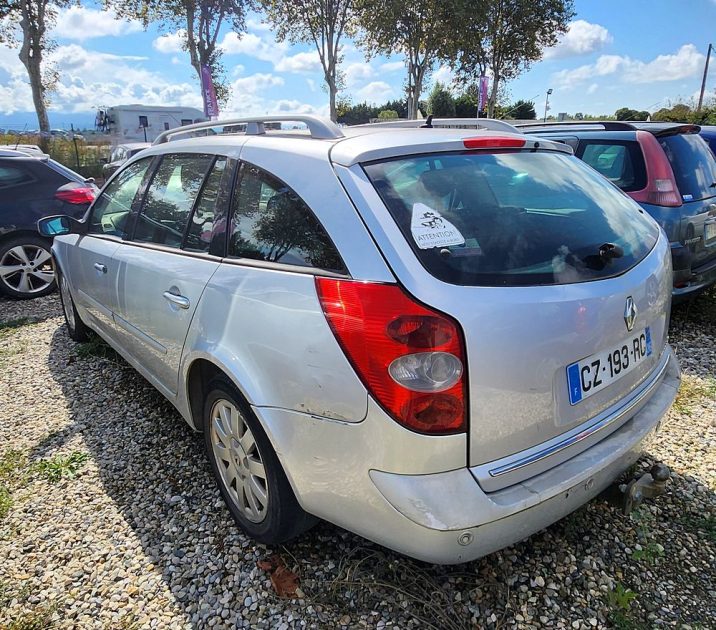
[(620, 600), (706, 524), (11, 324), (58, 467), (38, 619), (650, 550), (12, 463), (95, 347), (693, 391)]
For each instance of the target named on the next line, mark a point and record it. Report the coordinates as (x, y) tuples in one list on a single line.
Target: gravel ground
[(114, 521)]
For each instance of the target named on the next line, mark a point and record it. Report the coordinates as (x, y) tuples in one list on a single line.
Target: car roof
[(346, 145), (134, 145), (609, 127), (21, 150)]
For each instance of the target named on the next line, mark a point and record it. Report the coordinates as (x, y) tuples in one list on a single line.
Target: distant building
[(143, 123)]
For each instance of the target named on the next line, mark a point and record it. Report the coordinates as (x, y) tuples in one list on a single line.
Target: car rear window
[(512, 218), (693, 164), (622, 163)]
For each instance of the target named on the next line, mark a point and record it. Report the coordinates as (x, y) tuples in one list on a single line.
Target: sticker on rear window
[(430, 229)]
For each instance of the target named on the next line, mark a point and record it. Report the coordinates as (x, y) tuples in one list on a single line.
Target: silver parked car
[(442, 339)]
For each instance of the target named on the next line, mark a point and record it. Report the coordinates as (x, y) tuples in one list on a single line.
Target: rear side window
[(512, 218), (111, 212), (203, 225), (622, 163), (693, 164), (272, 223), (12, 175), (170, 198)]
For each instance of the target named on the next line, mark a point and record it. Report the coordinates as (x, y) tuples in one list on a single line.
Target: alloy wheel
[(239, 461), (27, 268)]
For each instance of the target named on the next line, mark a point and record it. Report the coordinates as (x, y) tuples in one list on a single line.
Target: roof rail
[(607, 125), (319, 128), (449, 123)]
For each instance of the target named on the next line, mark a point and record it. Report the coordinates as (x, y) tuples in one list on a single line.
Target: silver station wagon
[(443, 339)]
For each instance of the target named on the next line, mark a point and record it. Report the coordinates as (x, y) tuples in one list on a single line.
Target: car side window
[(619, 162), (11, 175), (111, 211), (170, 198), (271, 222), (203, 226)]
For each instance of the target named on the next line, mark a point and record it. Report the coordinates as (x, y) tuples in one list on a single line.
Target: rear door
[(164, 267), (91, 270)]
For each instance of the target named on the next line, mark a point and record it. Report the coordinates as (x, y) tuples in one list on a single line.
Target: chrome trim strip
[(582, 435)]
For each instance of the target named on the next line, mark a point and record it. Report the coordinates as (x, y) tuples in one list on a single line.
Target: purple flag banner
[(482, 94), (211, 107)]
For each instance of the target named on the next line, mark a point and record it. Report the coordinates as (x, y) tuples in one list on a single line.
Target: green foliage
[(630, 114), (60, 466), (387, 114), (95, 347), (620, 600), (12, 463), (686, 113), (522, 110), (503, 37), (466, 105), (441, 103)]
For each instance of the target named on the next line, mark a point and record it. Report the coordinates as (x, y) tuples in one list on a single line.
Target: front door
[(91, 270), (163, 269)]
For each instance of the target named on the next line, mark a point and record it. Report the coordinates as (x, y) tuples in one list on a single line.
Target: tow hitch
[(628, 496)]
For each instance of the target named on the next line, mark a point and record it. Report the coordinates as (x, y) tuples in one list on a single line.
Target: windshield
[(512, 218), (693, 164)]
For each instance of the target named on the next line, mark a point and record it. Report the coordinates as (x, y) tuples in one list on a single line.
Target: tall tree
[(34, 18), (416, 28), (323, 23), (198, 21), (504, 39)]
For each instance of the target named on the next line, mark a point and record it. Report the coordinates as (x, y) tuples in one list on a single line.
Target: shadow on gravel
[(35, 310), (153, 467)]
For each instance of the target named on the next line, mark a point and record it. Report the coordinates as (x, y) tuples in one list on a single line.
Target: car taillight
[(661, 188), (494, 142), (410, 358), (76, 195)]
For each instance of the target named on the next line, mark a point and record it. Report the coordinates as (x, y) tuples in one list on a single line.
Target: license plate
[(709, 231), (594, 373)]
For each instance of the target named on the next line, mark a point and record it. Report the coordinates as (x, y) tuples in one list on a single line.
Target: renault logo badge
[(630, 312)]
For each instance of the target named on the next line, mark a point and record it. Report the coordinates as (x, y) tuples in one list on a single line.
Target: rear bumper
[(446, 517), (696, 279)]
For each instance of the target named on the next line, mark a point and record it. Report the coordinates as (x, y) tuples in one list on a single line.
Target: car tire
[(76, 328), (248, 472), (26, 267)]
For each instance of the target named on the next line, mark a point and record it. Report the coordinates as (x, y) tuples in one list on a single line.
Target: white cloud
[(300, 62), (311, 85), (392, 66), (443, 75), (170, 43), (253, 24), (255, 83), (358, 72), (253, 45), (89, 79), (592, 88), (81, 23), (375, 91), (685, 63), (581, 38)]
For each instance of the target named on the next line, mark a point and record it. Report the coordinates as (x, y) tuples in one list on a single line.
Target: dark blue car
[(708, 133), (33, 186), (670, 171)]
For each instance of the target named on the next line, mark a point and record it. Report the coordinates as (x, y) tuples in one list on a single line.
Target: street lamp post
[(546, 104), (703, 81)]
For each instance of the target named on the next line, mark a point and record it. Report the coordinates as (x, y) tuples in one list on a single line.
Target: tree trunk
[(493, 96), (31, 57), (332, 91)]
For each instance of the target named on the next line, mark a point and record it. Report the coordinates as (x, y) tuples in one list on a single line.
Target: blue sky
[(640, 53)]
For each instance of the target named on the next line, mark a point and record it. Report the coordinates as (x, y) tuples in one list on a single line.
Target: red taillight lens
[(493, 143), (76, 195), (661, 188), (376, 324)]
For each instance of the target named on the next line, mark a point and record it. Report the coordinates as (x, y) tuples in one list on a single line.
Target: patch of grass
[(693, 391), (60, 466), (95, 347), (38, 619), (12, 324), (12, 466)]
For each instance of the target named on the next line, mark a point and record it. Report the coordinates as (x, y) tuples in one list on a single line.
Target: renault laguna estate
[(443, 339)]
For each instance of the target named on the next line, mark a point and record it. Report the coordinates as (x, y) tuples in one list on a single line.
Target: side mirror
[(58, 225), (104, 160)]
